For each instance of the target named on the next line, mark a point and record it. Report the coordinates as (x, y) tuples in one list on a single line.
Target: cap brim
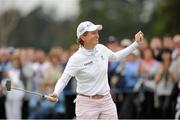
[(95, 27)]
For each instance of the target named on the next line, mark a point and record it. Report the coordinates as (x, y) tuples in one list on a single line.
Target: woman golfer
[(89, 65)]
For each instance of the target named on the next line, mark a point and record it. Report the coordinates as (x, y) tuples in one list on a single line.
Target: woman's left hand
[(139, 37)]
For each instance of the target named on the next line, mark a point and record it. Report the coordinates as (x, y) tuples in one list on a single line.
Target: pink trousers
[(89, 108)]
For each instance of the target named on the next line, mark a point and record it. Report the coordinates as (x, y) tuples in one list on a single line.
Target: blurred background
[(44, 23), (38, 36)]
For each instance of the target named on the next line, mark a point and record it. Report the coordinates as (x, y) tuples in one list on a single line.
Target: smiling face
[(90, 39)]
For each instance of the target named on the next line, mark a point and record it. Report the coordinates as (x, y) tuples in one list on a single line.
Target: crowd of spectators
[(145, 84)]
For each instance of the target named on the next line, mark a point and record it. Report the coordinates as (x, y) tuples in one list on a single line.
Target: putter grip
[(49, 98)]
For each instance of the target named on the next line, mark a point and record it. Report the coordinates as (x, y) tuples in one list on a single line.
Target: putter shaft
[(34, 93)]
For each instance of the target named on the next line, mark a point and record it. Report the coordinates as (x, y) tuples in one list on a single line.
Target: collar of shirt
[(87, 52)]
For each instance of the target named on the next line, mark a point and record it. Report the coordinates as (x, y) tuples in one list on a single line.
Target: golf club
[(9, 87)]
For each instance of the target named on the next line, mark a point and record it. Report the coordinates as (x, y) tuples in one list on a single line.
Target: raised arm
[(126, 51)]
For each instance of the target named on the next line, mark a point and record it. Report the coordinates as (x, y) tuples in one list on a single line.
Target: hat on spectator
[(111, 39), (125, 42), (11, 50), (136, 52), (87, 26)]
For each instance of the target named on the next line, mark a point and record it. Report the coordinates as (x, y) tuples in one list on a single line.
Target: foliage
[(121, 18), (166, 18), (40, 31)]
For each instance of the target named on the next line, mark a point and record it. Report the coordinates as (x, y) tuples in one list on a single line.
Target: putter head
[(8, 85)]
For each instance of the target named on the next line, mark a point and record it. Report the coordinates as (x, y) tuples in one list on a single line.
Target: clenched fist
[(139, 37)]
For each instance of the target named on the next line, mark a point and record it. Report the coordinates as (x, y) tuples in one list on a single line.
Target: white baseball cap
[(87, 26)]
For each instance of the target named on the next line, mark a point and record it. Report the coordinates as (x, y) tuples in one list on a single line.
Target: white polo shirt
[(90, 68)]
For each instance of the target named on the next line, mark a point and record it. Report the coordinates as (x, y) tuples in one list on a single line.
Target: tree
[(8, 23), (166, 18), (119, 17), (39, 30)]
